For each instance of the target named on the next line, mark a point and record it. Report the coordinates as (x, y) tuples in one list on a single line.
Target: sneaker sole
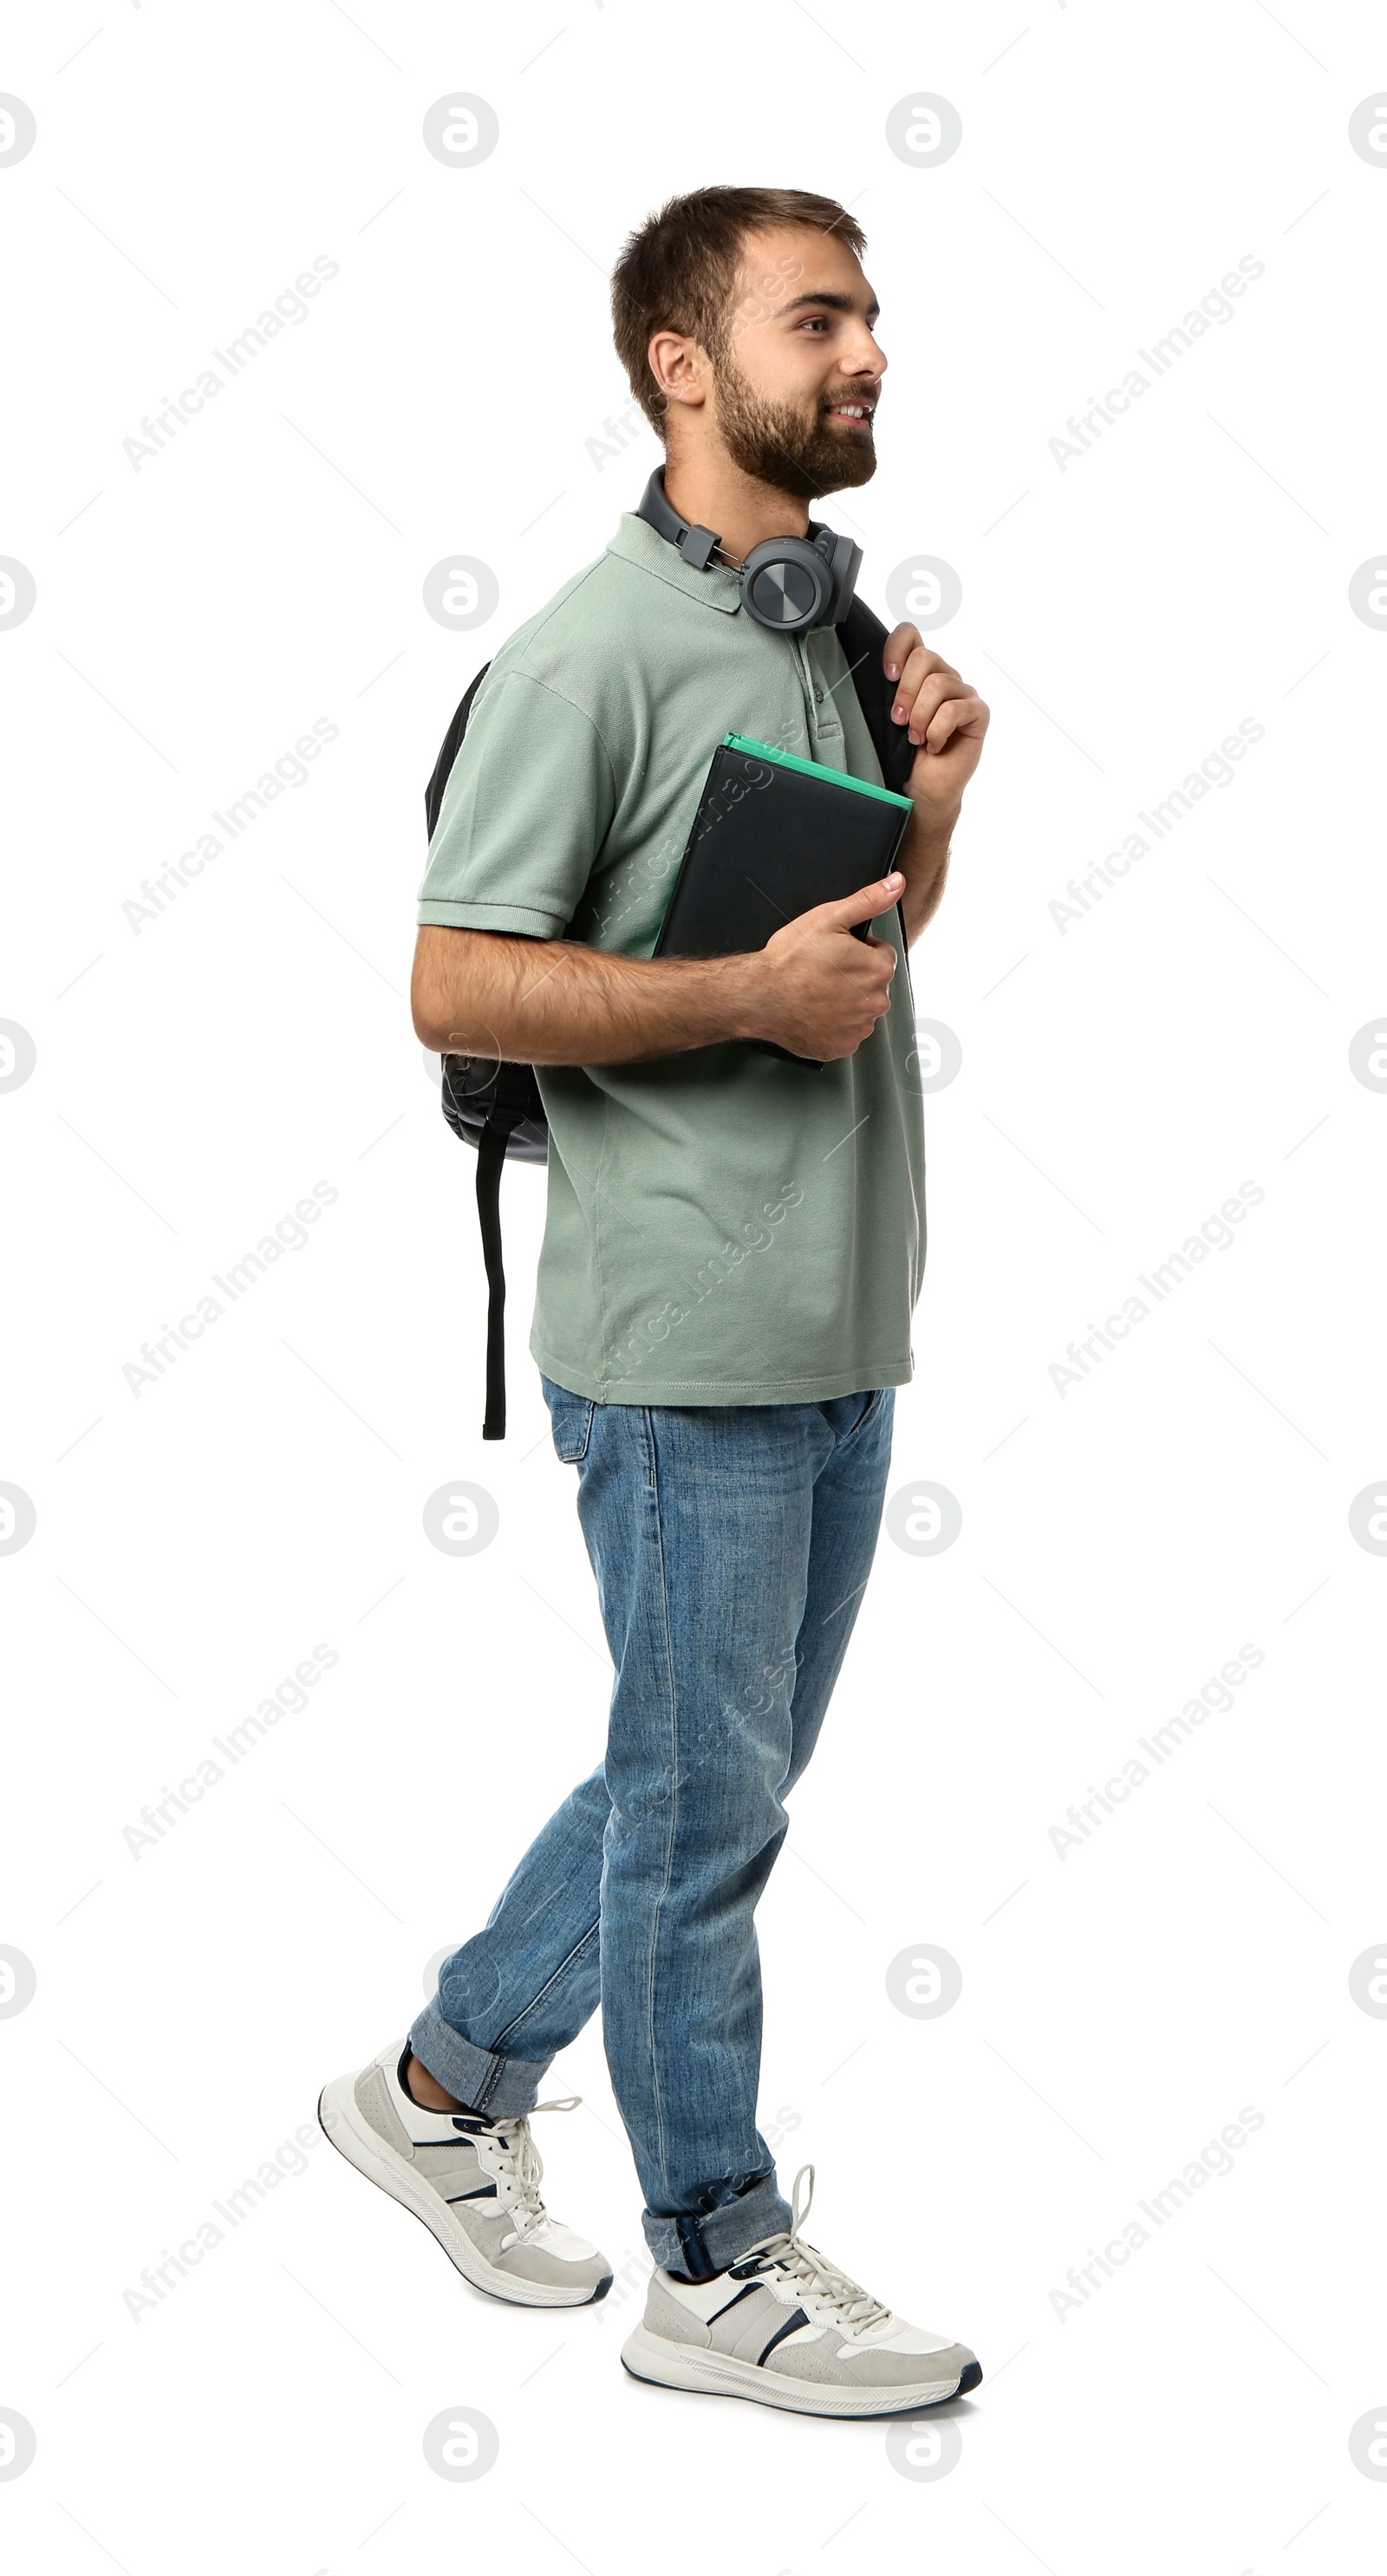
[(344, 2128), (718, 2374)]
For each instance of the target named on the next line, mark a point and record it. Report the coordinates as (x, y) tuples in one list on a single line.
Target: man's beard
[(787, 448)]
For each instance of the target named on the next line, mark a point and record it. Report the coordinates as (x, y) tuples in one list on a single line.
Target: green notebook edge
[(813, 769)]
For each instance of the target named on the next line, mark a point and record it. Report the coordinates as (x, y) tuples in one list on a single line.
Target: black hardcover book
[(773, 836)]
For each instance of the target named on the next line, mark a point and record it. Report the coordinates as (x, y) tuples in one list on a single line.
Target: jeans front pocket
[(571, 1419), (870, 1410)]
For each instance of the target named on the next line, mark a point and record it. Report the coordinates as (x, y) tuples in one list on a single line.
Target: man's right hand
[(813, 989), (816, 989)]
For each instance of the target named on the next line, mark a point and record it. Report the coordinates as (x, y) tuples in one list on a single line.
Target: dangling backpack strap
[(514, 1101), (491, 1159)]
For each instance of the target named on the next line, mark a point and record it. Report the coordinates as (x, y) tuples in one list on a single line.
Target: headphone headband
[(695, 544), (789, 584)]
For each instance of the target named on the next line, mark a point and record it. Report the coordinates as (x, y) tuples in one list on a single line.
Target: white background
[(1120, 1541)]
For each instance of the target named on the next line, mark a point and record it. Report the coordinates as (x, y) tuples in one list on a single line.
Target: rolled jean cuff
[(706, 2244), (500, 2086)]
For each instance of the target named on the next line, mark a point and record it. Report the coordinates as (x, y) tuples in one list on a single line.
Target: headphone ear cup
[(786, 585), (844, 560)]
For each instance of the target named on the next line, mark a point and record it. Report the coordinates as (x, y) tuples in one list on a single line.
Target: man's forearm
[(550, 1001), (924, 860)]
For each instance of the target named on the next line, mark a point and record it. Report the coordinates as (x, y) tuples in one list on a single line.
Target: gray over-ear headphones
[(789, 584)]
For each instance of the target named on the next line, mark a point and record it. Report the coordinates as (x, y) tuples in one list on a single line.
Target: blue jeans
[(731, 1546)]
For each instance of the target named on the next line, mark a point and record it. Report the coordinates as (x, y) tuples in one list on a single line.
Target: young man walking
[(731, 1257)]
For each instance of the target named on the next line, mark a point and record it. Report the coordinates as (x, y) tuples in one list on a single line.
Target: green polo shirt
[(723, 1227)]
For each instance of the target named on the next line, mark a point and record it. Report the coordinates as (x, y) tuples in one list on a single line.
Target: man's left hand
[(943, 716)]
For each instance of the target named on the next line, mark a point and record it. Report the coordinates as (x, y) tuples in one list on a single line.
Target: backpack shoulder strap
[(433, 793), (863, 637)]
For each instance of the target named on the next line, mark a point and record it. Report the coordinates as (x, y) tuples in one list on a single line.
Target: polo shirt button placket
[(826, 729), (813, 694)]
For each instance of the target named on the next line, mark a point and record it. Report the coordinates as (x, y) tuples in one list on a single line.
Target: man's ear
[(679, 368)]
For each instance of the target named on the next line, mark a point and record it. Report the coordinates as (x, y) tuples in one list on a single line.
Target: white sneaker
[(474, 2183), (786, 2328)]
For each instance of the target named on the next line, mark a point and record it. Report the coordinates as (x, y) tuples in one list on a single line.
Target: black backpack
[(497, 1107)]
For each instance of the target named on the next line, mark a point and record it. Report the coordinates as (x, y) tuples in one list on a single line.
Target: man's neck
[(711, 492)]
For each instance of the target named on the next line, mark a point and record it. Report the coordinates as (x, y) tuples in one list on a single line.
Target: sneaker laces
[(849, 2307), (521, 2164)]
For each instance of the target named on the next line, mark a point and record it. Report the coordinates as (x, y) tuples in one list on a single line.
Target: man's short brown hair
[(679, 272)]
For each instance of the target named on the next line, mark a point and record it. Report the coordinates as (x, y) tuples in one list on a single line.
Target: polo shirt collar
[(638, 543)]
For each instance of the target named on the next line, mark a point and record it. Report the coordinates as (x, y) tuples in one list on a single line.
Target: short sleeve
[(525, 811)]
